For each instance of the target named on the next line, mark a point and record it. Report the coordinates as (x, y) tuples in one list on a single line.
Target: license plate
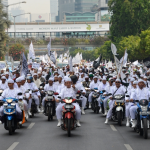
[(145, 113), (119, 101), (68, 106), (50, 97)]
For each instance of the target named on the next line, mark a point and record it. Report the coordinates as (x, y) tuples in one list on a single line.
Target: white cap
[(135, 82), (132, 79), (7, 73), (35, 74), (3, 77), (68, 79), (104, 78), (10, 81), (95, 77), (118, 80), (59, 76), (140, 80), (18, 80), (51, 79)]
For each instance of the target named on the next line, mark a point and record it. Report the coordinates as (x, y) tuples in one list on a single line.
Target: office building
[(53, 10), (40, 17)]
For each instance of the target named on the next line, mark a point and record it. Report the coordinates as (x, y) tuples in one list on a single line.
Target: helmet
[(30, 78), (74, 79)]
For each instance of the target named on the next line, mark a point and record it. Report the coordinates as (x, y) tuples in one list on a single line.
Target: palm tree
[(4, 24)]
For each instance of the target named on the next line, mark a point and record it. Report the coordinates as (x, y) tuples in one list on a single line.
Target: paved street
[(39, 134)]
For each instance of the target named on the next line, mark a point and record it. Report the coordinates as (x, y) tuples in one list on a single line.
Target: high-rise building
[(65, 6), (5, 3), (53, 10)]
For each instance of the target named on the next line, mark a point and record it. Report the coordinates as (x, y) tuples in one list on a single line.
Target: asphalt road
[(39, 134)]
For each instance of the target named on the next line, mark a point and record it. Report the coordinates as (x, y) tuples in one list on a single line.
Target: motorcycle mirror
[(127, 96)]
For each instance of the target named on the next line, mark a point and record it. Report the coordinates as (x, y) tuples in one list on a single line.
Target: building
[(65, 6), (85, 5), (103, 14), (40, 17), (80, 17), (16, 11), (53, 10)]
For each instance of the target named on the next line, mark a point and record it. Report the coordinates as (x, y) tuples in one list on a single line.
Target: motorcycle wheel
[(97, 110), (145, 131), (50, 117), (32, 113), (69, 127), (10, 127), (119, 115), (141, 132)]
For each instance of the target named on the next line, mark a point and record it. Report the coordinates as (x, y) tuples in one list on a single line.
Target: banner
[(24, 67), (70, 64), (2, 65), (35, 65), (113, 49)]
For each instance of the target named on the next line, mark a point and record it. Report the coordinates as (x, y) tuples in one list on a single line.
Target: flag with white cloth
[(124, 59), (31, 51), (24, 65), (113, 49), (70, 64)]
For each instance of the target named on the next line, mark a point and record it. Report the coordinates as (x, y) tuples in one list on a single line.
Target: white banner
[(35, 65), (60, 28), (2, 66)]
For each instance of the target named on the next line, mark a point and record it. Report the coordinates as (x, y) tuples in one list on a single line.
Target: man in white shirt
[(3, 83)]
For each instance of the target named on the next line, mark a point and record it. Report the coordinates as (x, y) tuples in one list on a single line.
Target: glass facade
[(80, 17)]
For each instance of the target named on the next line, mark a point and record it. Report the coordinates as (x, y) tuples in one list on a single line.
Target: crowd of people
[(133, 81)]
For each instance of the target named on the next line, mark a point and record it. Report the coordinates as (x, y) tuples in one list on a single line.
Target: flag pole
[(115, 63)]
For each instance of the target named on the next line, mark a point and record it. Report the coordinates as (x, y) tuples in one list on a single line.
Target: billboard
[(60, 28)]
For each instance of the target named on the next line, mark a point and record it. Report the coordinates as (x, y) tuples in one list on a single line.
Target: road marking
[(128, 147), (113, 128), (31, 125), (13, 146)]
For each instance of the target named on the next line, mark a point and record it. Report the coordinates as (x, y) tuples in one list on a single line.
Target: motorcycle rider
[(68, 91), (140, 93), (118, 89), (86, 83), (35, 93), (93, 84), (11, 92), (36, 80)]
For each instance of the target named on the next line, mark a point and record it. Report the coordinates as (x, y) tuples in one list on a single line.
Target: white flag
[(31, 51), (81, 56), (70, 64), (117, 63), (113, 49), (123, 60)]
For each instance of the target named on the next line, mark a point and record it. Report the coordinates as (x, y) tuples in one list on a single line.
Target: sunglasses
[(117, 82)]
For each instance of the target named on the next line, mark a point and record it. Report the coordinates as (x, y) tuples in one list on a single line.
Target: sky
[(32, 6)]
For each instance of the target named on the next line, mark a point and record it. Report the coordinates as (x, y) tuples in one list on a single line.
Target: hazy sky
[(32, 6)]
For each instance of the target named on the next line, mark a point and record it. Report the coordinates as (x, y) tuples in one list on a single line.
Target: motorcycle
[(88, 91), (69, 121), (41, 89), (143, 117), (10, 119), (95, 105), (1, 102), (118, 109), (50, 105)]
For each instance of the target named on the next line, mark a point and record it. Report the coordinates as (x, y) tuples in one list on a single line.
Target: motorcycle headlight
[(13, 104), (5, 104), (9, 100), (144, 108), (117, 96)]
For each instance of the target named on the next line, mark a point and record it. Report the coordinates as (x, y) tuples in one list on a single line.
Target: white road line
[(31, 125), (13, 146), (113, 128), (128, 147)]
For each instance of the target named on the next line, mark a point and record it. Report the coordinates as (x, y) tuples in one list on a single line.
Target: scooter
[(50, 105), (95, 106), (10, 118), (69, 121), (119, 109), (143, 117)]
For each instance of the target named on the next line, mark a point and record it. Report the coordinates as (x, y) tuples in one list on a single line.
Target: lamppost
[(15, 25), (11, 5)]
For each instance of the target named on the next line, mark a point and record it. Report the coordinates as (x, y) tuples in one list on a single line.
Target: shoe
[(42, 109), (128, 122), (0, 122), (59, 123), (134, 122), (106, 122), (105, 114), (29, 112), (26, 115), (82, 110), (89, 105), (20, 122), (78, 123), (38, 109), (100, 110)]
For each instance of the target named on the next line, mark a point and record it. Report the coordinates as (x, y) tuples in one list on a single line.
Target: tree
[(15, 51), (129, 17), (4, 24)]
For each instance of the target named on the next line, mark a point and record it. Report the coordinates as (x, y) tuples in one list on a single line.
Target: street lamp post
[(15, 24)]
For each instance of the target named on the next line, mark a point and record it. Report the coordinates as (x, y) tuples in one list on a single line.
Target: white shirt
[(94, 85), (47, 87), (8, 93), (3, 86)]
